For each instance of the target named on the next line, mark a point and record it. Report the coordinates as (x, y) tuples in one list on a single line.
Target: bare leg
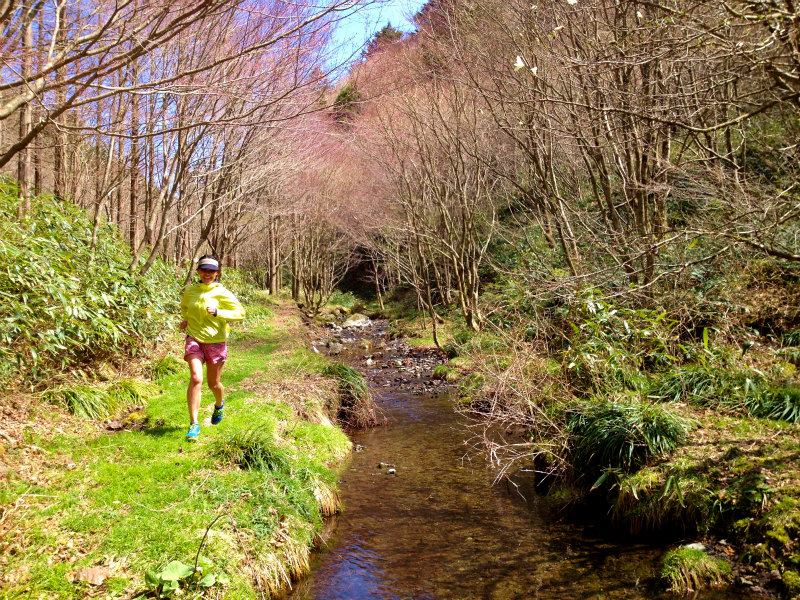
[(193, 392), (213, 373)]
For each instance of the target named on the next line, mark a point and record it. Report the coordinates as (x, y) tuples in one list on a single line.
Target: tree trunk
[(295, 261), (133, 217), (25, 115)]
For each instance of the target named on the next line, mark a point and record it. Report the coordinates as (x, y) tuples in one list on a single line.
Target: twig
[(205, 536)]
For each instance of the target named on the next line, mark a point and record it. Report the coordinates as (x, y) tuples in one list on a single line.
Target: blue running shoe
[(194, 431), (216, 416)]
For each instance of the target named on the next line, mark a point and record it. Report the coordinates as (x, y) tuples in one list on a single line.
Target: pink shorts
[(213, 353)]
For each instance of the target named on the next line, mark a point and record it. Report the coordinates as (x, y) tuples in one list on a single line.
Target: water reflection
[(354, 571)]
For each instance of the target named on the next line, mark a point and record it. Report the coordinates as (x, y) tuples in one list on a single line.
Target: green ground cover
[(134, 499)]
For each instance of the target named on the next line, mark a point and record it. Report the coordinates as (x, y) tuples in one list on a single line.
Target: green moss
[(503, 363), (453, 376), (440, 372), (741, 465), (779, 535), (446, 373), (560, 495), (758, 553), (471, 384), (782, 521), (784, 370), (460, 362), (791, 581), (741, 527)]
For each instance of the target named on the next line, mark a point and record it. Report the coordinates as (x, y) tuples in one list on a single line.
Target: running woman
[(206, 308)]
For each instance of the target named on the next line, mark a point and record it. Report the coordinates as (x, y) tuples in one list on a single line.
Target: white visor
[(208, 263)]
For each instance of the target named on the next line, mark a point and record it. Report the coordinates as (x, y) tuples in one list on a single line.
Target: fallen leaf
[(92, 575)]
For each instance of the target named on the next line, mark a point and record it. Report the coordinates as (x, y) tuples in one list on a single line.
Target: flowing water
[(437, 528)]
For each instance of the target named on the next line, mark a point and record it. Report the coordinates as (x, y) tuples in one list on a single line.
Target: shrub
[(65, 308), (693, 383), (691, 569), (239, 283), (347, 103), (462, 336), (651, 500), (791, 355), (254, 449), (346, 299), (611, 347), (791, 582), (169, 365), (780, 403), (621, 435), (792, 338), (735, 391), (257, 316), (98, 401), (466, 341)]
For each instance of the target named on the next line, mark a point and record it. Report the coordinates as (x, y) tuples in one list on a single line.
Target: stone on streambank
[(357, 320), (328, 315)]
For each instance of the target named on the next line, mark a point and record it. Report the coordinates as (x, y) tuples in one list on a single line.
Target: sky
[(356, 29)]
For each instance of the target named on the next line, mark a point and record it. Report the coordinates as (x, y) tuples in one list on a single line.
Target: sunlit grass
[(146, 497), (691, 569)]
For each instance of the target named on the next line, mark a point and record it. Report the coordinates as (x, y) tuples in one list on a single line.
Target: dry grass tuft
[(514, 406), (689, 569), (328, 499), (274, 571), (354, 406), (307, 397)]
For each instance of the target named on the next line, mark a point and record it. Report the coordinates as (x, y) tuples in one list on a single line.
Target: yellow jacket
[(201, 325)]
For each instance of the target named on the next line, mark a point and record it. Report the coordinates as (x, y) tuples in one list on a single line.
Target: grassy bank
[(105, 509)]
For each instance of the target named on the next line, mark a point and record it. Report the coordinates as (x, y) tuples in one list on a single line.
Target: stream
[(423, 521)]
